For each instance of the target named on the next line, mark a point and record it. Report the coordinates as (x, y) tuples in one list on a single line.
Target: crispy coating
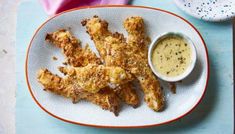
[(138, 42), (105, 98), (71, 47), (109, 46), (94, 77), (127, 93), (64, 40), (131, 55)]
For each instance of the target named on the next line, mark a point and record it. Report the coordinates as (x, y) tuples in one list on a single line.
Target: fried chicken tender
[(67, 87), (94, 77), (71, 47), (138, 42), (131, 55), (67, 42), (109, 46), (127, 93)]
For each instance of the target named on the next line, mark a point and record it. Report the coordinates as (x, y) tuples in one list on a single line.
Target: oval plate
[(39, 55)]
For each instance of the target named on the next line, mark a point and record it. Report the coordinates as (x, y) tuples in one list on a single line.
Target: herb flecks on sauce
[(171, 56)]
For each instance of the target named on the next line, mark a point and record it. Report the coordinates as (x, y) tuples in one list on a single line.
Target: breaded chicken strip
[(71, 47), (132, 55), (128, 94), (138, 43), (111, 53), (110, 46), (94, 77), (66, 87), (83, 57)]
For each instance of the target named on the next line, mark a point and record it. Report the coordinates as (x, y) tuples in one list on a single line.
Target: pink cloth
[(56, 6)]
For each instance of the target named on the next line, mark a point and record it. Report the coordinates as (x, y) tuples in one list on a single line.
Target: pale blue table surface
[(214, 115)]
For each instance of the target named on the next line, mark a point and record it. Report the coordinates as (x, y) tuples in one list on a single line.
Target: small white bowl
[(191, 64)]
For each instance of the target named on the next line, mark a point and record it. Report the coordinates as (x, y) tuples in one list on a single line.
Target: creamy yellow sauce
[(171, 56)]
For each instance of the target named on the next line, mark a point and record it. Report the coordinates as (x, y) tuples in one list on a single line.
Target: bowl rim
[(215, 19), (110, 126), (189, 68)]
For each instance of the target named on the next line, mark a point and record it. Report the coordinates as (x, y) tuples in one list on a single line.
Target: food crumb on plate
[(4, 51), (65, 63), (172, 86), (54, 58)]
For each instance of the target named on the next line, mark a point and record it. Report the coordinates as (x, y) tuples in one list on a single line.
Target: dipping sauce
[(171, 56)]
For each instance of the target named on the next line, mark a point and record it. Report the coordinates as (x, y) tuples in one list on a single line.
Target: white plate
[(189, 92), (209, 10)]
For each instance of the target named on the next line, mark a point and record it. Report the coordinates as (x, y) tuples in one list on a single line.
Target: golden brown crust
[(105, 98), (94, 77), (71, 47), (138, 41), (131, 55), (86, 56), (127, 94), (110, 47)]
